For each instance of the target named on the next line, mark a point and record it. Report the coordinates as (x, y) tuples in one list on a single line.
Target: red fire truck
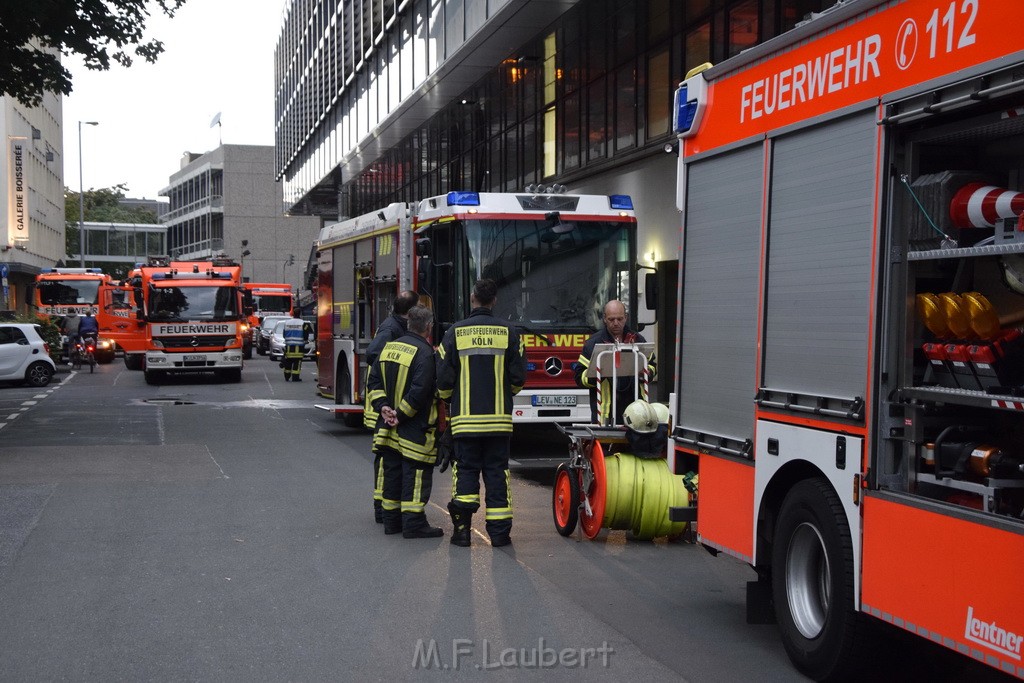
[(556, 257), (193, 317), (265, 298), (60, 291), (851, 382)]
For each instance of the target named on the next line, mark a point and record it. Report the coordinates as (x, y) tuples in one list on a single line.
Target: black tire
[(135, 361), (247, 352), (154, 377), (353, 420), (92, 364), (565, 500), (38, 374), (812, 583)]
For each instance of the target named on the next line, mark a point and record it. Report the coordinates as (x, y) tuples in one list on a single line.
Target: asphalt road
[(205, 531)]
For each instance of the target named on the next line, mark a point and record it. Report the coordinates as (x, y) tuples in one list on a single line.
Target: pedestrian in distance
[(480, 368), (403, 390), (294, 349), (615, 330), (393, 327)]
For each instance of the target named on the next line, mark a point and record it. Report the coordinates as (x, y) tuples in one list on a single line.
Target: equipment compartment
[(954, 369)]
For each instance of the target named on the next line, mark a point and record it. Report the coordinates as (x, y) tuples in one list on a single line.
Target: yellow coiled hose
[(639, 493)]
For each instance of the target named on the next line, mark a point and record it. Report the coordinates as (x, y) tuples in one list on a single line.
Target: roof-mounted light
[(621, 201), (463, 199)]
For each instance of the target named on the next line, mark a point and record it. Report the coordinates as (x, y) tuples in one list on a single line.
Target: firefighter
[(402, 389), (480, 368), (615, 330), (393, 327), (294, 349)]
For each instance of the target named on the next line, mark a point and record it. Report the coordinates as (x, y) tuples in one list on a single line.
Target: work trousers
[(293, 362), (487, 456), (407, 485)]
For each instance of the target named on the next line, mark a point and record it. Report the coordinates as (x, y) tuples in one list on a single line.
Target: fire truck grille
[(206, 341)]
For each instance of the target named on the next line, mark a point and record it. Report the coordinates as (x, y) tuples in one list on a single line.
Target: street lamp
[(290, 261), (81, 194)]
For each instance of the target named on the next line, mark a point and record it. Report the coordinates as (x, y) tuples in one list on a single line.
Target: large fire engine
[(263, 299), (556, 257), (851, 382), (59, 291), (192, 311)]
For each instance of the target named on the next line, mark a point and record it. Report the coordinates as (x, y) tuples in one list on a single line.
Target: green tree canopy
[(98, 30), (100, 206)]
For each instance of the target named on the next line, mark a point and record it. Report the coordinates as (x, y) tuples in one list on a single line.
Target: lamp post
[(290, 261), (81, 195)]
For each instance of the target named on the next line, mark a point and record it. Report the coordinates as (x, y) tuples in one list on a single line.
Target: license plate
[(546, 400), (192, 358)]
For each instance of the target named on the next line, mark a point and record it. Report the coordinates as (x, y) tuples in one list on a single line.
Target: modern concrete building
[(379, 102), (228, 201), (32, 195)]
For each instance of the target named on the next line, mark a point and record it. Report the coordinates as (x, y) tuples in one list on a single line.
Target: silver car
[(277, 341), (265, 330)]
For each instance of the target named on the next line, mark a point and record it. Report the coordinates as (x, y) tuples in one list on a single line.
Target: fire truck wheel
[(154, 376), (134, 361), (812, 582), (565, 500), (353, 420)]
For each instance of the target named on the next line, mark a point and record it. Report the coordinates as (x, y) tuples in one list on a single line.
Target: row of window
[(596, 87)]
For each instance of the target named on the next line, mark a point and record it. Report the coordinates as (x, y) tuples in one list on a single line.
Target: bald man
[(616, 330)]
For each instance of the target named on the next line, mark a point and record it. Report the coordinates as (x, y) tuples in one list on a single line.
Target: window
[(659, 94), (625, 107), (743, 27)]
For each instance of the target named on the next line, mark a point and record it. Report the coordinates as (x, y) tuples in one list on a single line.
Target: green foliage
[(48, 331), (33, 35), (101, 206)]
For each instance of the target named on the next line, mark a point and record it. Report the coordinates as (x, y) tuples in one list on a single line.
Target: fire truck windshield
[(552, 274), (268, 304), (193, 303), (67, 292)]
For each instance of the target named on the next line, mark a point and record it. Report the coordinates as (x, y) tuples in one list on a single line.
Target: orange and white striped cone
[(977, 205)]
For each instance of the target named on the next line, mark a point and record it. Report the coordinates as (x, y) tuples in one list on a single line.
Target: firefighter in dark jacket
[(403, 390), (393, 327), (615, 330), (480, 368)]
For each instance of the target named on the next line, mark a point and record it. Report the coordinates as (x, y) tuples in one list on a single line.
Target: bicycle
[(83, 352)]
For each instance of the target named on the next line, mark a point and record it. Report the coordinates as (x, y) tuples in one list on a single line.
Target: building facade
[(228, 201), (394, 101), (32, 192)]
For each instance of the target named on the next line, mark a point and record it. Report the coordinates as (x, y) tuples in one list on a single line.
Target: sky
[(219, 57)]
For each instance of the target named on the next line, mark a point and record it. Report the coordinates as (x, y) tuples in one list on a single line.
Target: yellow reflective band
[(398, 352), (417, 490), (498, 513), (499, 394), (481, 337), (389, 504), (463, 386), (473, 498), (413, 507)]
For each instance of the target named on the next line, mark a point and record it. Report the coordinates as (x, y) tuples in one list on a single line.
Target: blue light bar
[(463, 199), (621, 202), (530, 367)]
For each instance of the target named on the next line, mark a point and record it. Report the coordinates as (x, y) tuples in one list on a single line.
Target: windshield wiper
[(537, 333)]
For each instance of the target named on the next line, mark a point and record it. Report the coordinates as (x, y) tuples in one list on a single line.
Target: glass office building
[(380, 101)]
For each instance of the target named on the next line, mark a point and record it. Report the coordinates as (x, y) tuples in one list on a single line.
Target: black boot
[(378, 512), (461, 520)]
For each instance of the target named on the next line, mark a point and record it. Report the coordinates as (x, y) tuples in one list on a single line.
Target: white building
[(32, 192)]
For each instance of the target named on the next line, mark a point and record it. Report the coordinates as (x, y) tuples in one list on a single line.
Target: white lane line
[(29, 403)]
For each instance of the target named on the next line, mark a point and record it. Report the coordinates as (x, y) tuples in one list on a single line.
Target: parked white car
[(277, 341), (24, 356)]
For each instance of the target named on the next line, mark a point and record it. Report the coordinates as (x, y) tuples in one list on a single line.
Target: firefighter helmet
[(640, 416), (662, 411)]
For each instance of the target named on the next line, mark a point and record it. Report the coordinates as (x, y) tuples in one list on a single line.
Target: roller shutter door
[(722, 236), (819, 259)]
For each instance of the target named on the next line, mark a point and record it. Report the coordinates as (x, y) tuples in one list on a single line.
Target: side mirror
[(423, 246), (647, 303)]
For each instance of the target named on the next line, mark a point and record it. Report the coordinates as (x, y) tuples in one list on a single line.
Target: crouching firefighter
[(294, 348), (402, 389)]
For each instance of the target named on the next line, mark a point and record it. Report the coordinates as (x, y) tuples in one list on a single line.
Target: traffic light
[(291, 259)]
